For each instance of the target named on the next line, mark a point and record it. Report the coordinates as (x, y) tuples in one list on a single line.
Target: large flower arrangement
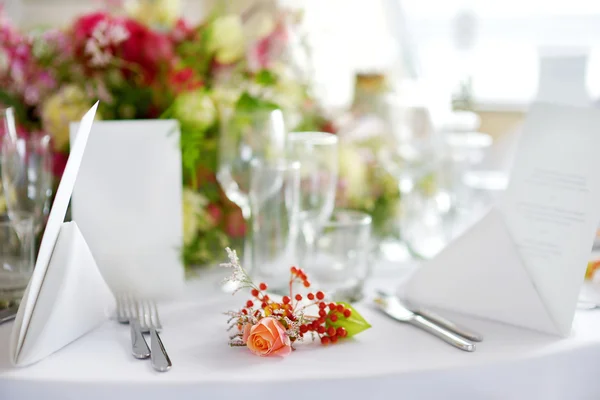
[(148, 63)]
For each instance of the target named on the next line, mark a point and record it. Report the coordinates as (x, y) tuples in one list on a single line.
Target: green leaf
[(353, 325), (266, 78), (247, 103)]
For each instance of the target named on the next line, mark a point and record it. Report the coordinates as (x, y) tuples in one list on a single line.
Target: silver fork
[(150, 323), (127, 313)]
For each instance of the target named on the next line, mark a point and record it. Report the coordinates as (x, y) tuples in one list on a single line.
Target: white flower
[(226, 39), (195, 109), (155, 13)]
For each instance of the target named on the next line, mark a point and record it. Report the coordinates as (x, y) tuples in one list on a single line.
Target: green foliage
[(354, 325)]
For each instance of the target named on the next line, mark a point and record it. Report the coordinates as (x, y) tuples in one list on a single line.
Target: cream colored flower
[(260, 25), (225, 96), (68, 105), (226, 40), (155, 13), (193, 206), (353, 172), (195, 109)]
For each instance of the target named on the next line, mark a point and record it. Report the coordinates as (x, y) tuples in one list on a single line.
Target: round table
[(391, 360)]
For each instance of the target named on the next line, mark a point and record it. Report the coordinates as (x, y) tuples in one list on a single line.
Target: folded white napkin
[(525, 262), (66, 296)]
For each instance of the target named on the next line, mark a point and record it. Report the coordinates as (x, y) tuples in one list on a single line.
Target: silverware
[(8, 314), (150, 323), (127, 313), (451, 326), (587, 305), (392, 307)]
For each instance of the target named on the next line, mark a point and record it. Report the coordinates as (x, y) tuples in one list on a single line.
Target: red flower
[(215, 213), (185, 79), (182, 31), (235, 226), (59, 163), (148, 52)]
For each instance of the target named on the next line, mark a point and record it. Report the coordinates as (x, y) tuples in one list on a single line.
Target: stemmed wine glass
[(414, 161), (27, 178), (246, 137), (317, 153)]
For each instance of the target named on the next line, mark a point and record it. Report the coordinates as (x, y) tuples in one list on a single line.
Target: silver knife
[(8, 314), (393, 308), (451, 326), (439, 320)]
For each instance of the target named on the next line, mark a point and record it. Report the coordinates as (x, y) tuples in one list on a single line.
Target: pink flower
[(215, 213), (267, 338), (235, 226), (269, 48)]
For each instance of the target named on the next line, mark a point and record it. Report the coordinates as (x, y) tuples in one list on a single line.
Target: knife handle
[(451, 326), (442, 333), (160, 359)]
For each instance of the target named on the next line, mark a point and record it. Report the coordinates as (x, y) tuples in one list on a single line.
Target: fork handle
[(160, 359), (139, 347), (443, 333)]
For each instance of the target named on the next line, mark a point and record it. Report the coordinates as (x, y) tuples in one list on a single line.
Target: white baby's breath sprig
[(239, 275)]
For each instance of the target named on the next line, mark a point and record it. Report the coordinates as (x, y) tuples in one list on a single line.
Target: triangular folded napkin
[(524, 263), (66, 296)]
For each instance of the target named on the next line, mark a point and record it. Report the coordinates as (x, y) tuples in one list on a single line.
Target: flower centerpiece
[(146, 62), (144, 65), (271, 328)]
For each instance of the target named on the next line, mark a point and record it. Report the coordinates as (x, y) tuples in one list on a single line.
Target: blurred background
[(491, 46)]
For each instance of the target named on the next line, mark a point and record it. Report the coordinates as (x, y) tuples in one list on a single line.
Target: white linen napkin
[(525, 262), (66, 296)]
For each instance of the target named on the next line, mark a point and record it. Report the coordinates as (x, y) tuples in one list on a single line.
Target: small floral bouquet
[(270, 328)]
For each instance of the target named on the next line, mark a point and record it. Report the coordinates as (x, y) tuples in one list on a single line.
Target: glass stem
[(247, 261), (309, 239)]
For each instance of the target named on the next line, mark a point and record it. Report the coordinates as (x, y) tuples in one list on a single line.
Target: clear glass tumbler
[(16, 257), (274, 201), (342, 255)]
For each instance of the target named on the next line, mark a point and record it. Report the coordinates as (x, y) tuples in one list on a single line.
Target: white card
[(128, 204), (540, 234)]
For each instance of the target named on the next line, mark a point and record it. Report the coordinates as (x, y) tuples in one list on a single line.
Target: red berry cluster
[(319, 325), (298, 274)]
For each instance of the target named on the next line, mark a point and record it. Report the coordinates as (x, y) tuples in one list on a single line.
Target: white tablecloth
[(391, 360)]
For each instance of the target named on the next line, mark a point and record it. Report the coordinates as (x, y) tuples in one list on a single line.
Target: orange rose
[(267, 338)]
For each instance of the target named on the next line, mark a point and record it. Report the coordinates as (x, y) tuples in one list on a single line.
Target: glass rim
[(356, 218), (313, 137)]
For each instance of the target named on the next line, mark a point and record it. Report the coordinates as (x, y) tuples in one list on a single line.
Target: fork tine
[(121, 314)]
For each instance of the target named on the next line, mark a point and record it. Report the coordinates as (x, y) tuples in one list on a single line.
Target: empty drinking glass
[(16, 256), (342, 255), (274, 194), (317, 153), (245, 137), (27, 178)]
